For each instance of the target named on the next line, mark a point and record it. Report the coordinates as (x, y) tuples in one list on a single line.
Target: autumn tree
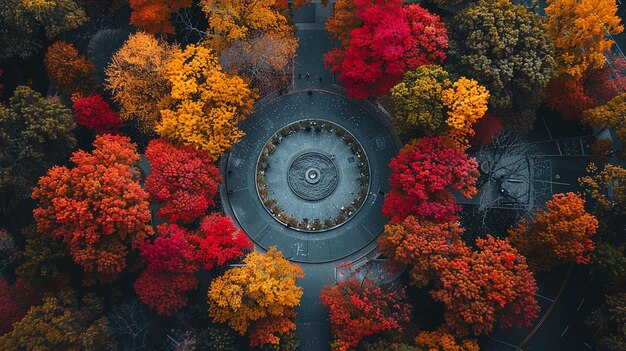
[(96, 114), (15, 300), (566, 95), (25, 23), (578, 31), (611, 116), (47, 262), (220, 241), (607, 189), (387, 345), (422, 245), (137, 81), (481, 287), (68, 70), (207, 102), (97, 207), (390, 40), (258, 298), (154, 16), (30, 124), (230, 20), (418, 105), (341, 23), (560, 234), (423, 176), (182, 179), (504, 47), (63, 322), (442, 340), (263, 59), (466, 102), (169, 274), (177, 254), (361, 309)]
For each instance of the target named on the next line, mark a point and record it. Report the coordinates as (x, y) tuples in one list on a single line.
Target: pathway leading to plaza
[(313, 96)]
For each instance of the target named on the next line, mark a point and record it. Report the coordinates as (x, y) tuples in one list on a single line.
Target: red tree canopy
[(170, 270), (390, 40), (97, 208), (177, 254), (94, 113), (220, 241), (154, 16), (15, 300), (358, 310), (182, 178), (423, 176), (480, 287)]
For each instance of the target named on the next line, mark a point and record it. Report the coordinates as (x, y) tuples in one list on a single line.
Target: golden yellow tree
[(258, 298), (137, 81), (466, 102), (238, 19), (207, 103), (578, 31), (610, 115), (442, 340)]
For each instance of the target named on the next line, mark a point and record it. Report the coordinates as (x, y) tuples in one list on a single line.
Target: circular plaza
[(310, 175)]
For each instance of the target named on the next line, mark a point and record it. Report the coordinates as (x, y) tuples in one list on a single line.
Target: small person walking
[(308, 75)]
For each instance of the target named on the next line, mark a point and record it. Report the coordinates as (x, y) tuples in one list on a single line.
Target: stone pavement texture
[(317, 253)]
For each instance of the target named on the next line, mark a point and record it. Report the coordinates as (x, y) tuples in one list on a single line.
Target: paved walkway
[(317, 253)]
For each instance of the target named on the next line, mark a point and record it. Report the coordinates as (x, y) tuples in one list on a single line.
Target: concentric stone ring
[(312, 176)]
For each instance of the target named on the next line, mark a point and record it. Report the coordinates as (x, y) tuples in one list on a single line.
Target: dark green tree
[(46, 260), (25, 23), (505, 48), (35, 134)]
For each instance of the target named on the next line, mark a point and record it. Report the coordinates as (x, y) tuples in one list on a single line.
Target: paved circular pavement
[(368, 126)]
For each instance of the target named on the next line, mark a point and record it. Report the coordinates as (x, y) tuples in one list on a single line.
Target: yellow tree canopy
[(264, 289), (237, 19), (207, 103), (610, 115), (578, 31), (137, 81), (466, 102)]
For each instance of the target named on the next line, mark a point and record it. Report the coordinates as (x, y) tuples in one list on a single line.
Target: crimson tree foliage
[(15, 300), (177, 254), (390, 40), (170, 270), (361, 309), (182, 178), (480, 287), (96, 114), (220, 241), (97, 208), (423, 176)]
